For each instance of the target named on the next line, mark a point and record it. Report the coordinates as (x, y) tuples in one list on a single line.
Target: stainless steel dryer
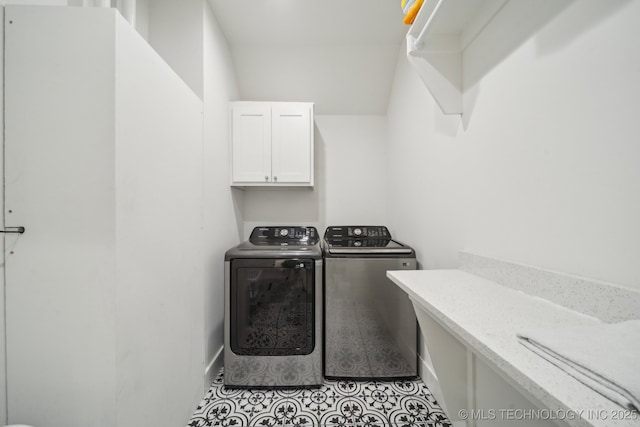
[(273, 309), (370, 325)]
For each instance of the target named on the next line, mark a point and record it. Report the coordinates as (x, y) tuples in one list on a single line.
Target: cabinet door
[(251, 143), (292, 143)]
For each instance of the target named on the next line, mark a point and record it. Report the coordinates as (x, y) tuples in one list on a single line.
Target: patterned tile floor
[(336, 403)]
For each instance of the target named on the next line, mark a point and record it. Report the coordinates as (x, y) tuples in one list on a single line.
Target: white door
[(251, 143), (59, 163), (3, 371), (292, 143)]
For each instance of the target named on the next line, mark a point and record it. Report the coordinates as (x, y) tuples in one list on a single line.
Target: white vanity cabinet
[(271, 144)]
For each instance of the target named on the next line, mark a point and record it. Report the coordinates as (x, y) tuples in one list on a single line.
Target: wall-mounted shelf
[(436, 40)]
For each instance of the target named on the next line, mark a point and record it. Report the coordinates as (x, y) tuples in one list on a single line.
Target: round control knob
[(284, 232), (357, 231), (357, 243)]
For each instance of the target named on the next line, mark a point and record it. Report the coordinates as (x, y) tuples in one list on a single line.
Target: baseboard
[(213, 368)]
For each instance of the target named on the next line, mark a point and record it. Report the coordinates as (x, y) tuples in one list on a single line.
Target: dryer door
[(272, 307)]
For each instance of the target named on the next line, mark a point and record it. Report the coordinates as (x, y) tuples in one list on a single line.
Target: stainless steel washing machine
[(370, 325), (273, 309)]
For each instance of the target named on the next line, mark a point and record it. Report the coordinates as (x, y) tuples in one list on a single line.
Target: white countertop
[(486, 316)]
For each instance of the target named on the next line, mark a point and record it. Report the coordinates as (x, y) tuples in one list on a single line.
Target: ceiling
[(339, 54)]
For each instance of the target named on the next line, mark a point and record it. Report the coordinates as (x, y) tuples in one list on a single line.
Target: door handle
[(17, 230)]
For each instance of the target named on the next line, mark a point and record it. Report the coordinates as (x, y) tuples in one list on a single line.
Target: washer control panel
[(284, 235), (357, 232)]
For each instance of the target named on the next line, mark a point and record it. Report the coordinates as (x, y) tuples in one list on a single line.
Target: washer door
[(272, 307)]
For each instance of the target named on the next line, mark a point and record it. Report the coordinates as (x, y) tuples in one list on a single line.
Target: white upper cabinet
[(271, 144)]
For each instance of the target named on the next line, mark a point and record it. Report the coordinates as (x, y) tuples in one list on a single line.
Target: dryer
[(273, 309)]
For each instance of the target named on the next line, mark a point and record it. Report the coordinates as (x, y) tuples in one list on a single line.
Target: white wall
[(543, 167), (141, 23), (159, 180), (350, 180), (35, 2), (207, 68), (222, 205), (354, 169), (175, 31), (338, 79)]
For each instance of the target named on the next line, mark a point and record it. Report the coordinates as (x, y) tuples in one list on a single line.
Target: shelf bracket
[(436, 41)]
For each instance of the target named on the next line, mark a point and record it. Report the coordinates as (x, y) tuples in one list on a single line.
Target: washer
[(273, 309), (370, 326)]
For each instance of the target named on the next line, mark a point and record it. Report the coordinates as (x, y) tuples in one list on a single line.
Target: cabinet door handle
[(275, 179), (266, 178), (17, 230)]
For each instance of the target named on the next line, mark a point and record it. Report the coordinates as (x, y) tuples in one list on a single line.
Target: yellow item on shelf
[(407, 6), (413, 12)]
